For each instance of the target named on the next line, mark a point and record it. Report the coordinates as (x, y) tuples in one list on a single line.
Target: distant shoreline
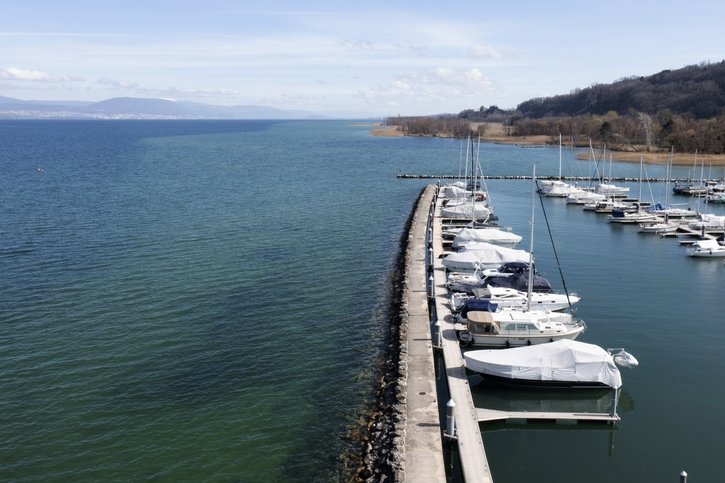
[(495, 134)]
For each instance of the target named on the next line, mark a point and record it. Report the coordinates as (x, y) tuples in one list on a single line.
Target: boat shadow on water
[(503, 397)]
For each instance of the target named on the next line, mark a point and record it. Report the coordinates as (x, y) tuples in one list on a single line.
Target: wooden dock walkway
[(488, 415)]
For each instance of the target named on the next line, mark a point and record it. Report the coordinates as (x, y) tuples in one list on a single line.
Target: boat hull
[(497, 341), (533, 384)]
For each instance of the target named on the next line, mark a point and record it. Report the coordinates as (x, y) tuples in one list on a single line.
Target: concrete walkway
[(423, 446)]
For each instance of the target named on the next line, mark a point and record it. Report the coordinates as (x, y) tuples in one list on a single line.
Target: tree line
[(444, 126), (636, 131), (682, 108)]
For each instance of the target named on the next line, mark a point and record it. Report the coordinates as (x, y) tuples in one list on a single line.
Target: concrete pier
[(423, 447), (423, 442)]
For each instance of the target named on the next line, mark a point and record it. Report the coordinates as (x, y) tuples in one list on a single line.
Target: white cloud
[(15, 74), (118, 84), (440, 86), (485, 51)]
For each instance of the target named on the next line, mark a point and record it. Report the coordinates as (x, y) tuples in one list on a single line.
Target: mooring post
[(431, 285), (439, 335), (450, 419), (683, 477), (615, 401)]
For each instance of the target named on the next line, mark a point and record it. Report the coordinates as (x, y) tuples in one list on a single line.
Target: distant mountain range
[(141, 108)]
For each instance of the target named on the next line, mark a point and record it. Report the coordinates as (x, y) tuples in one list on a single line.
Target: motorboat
[(489, 234), (563, 363), (466, 210), (512, 298), (466, 281), (621, 216), (611, 190), (512, 328), (583, 197), (709, 248), (560, 189), (661, 210), (520, 281), (659, 226), (483, 255), (707, 221)]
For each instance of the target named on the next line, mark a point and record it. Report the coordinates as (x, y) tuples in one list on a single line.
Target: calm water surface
[(205, 301)]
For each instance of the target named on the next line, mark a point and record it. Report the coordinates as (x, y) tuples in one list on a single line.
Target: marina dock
[(430, 326), (467, 433)]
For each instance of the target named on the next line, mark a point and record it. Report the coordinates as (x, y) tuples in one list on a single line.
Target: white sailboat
[(558, 188), (469, 204), (663, 224)]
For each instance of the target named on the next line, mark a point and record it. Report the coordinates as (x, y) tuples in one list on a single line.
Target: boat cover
[(477, 210), (478, 305), (485, 255), (490, 235), (564, 360), (520, 281)]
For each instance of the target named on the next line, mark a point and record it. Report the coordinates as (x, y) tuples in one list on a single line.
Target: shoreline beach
[(495, 133)]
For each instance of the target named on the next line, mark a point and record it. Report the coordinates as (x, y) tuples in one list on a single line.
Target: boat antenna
[(551, 238)]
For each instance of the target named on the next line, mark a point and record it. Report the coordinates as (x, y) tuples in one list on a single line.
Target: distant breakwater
[(563, 178)]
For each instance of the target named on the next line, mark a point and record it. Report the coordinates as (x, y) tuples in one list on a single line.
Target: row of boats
[(662, 219), (511, 324)]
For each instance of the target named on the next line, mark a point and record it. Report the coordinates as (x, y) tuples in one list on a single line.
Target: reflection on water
[(508, 398)]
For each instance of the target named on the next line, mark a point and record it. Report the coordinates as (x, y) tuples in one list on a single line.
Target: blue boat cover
[(478, 305)]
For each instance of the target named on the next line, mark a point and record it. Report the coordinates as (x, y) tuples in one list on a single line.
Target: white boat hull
[(563, 363)]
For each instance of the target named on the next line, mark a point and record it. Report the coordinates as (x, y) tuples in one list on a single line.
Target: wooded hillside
[(695, 90)]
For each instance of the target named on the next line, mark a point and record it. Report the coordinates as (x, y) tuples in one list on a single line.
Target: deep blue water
[(205, 301)]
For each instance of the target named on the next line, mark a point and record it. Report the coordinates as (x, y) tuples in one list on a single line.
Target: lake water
[(205, 300)]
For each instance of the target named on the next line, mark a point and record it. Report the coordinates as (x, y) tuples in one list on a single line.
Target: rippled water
[(205, 301)]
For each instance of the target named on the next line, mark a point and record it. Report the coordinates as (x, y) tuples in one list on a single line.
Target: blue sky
[(365, 58)]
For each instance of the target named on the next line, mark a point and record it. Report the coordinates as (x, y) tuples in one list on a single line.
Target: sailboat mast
[(531, 241), (559, 156)]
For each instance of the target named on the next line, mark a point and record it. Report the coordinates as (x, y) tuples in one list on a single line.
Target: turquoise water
[(206, 301)]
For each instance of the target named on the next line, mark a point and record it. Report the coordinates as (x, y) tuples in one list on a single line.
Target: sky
[(371, 58)]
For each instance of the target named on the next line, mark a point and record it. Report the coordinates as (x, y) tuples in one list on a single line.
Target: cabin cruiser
[(511, 328), (709, 248)]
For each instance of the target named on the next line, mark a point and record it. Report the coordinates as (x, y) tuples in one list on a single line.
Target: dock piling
[(683, 477), (450, 419)]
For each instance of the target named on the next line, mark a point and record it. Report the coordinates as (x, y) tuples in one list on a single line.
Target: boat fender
[(551, 340), (508, 343), (528, 342)]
